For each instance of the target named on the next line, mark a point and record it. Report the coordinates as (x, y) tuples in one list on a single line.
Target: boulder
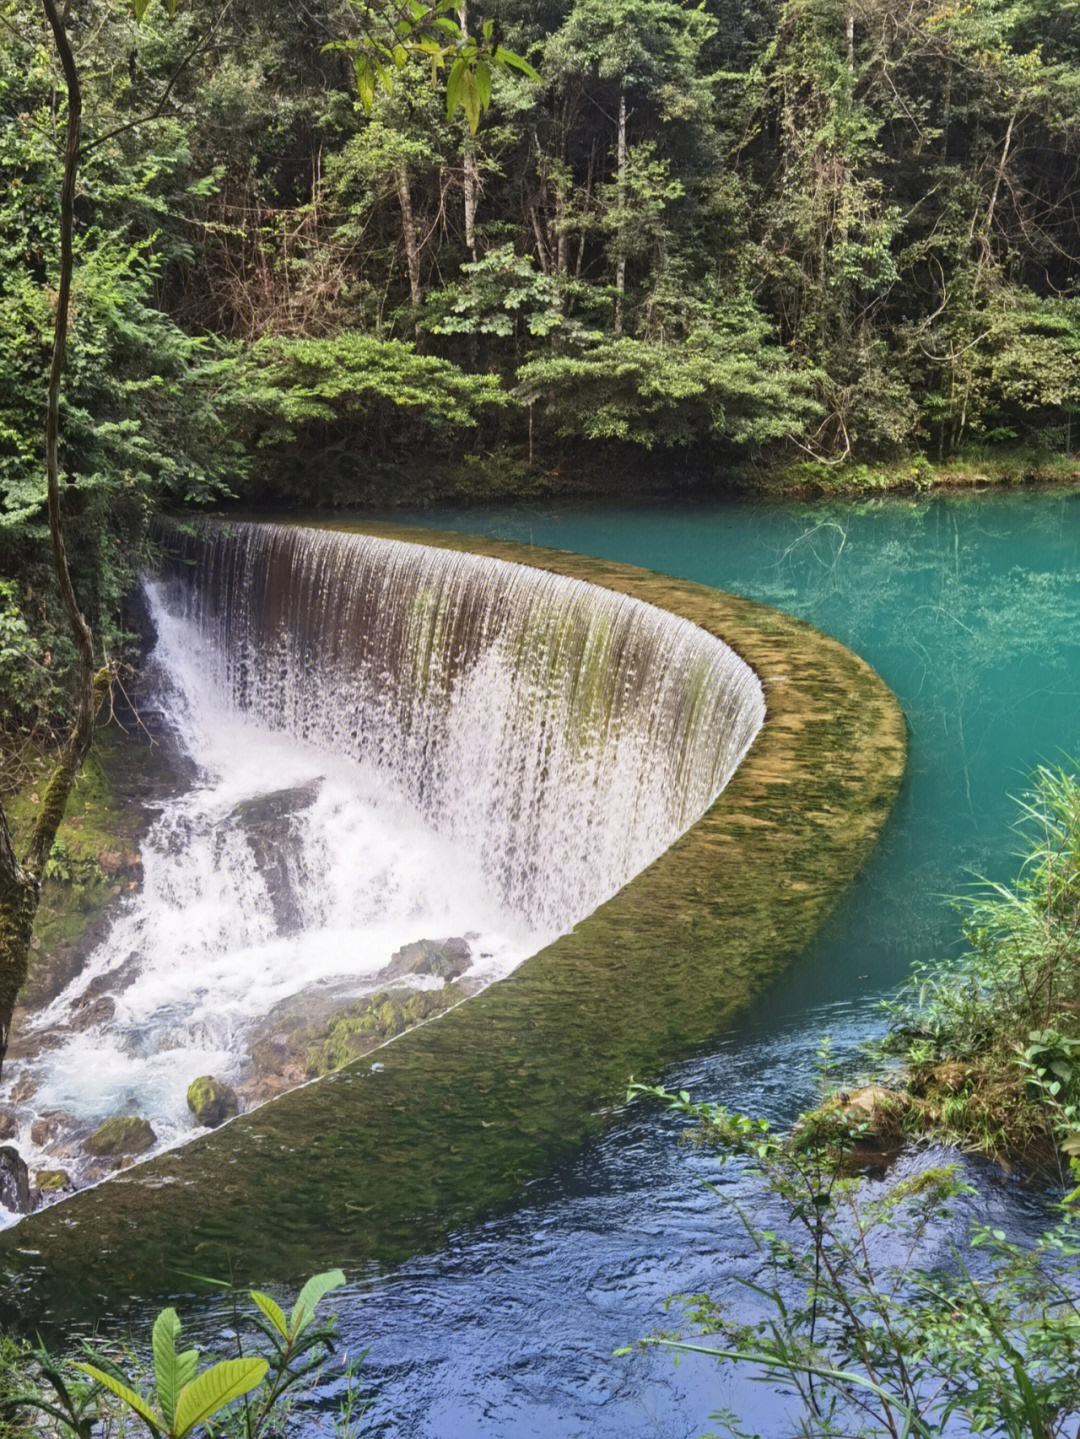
[(53, 1181), (8, 1124), (268, 825), (15, 1191), (446, 959), (211, 1102), (124, 1134), (49, 1127)]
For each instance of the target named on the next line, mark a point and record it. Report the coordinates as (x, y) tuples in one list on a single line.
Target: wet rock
[(88, 1011), (8, 1124), (361, 1027), (53, 1181), (211, 1102), (446, 959), (268, 823), (47, 1128), (15, 1191), (124, 1134)]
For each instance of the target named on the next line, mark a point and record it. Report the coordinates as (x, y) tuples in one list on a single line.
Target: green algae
[(450, 1119)]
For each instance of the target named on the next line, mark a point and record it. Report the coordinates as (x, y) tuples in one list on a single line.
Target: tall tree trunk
[(620, 236), (470, 169), (20, 881), (412, 248)]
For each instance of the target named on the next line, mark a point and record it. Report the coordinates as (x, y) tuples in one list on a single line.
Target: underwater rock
[(447, 959), (268, 825), (15, 1191), (124, 1134), (211, 1102)]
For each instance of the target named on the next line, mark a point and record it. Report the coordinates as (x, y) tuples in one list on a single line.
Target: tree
[(384, 43)]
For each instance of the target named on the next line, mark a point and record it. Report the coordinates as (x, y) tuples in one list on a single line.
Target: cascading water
[(447, 745)]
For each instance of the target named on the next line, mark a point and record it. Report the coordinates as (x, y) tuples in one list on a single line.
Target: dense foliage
[(805, 228)]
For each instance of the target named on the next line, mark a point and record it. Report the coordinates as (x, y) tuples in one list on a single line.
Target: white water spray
[(455, 745)]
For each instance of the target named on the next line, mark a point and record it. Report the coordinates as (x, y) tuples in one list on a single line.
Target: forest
[(798, 239)]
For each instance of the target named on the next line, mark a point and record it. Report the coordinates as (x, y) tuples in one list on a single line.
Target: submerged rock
[(211, 1102), (447, 959), (15, 1191), (124, 1134)]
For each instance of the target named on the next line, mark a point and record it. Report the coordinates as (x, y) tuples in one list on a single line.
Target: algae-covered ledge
[(450, 1119)]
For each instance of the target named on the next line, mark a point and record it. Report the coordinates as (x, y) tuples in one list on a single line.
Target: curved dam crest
[(565, 734), (452, 1118)]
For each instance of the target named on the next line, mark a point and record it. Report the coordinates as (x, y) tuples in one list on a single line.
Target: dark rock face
[(211, 1102), (268, 823), (15, 1191), (447, 959), (124, 1134)]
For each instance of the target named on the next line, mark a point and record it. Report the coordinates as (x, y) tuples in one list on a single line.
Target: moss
[(210, 1101), (52, 1181), (121, 1135), (95, 855), (357, 1029)]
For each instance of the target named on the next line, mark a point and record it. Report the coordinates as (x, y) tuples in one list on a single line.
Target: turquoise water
[(968, 608)]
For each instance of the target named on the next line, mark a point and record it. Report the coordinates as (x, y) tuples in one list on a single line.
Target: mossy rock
[(52, 1181), (360, 1027), (211, 1102), (124, 1134)]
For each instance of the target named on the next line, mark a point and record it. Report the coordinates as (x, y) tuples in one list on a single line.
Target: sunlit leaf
[(213, 1389)]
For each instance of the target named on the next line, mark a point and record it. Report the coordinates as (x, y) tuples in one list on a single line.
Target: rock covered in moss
[(360, 1027), (53, 1181), (123, 1135), (211, 1101)]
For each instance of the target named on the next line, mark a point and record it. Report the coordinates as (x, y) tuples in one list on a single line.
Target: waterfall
[(563, 733), (441, 744)]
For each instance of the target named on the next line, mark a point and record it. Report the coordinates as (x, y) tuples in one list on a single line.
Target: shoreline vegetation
[(866, 1308)]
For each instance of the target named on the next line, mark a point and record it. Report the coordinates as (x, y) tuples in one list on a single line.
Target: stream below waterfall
[(968, 608)]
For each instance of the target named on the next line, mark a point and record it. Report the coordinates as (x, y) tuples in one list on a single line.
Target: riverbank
[(632, 474)]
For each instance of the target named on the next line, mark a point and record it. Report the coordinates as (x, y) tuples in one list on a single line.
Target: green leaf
[(483, 83), (453, 87), (273, 1312), (306, 1301), (449, 26), (213, 1389), (166, 1375), (127, 1396), (138, 9), (365, 82), (470, 99), (507, 59)]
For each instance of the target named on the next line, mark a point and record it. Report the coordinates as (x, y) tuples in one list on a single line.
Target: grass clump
[(990, 1047)]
